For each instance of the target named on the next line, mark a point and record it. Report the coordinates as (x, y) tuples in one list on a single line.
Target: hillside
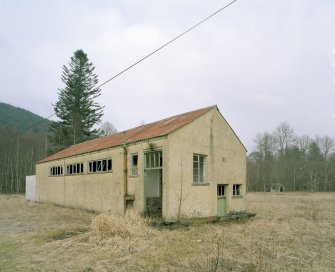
[(22, 119), (22, 144)]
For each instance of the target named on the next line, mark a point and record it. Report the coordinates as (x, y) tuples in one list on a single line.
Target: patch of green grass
[(8, 251), (185, 223), (57, 234)]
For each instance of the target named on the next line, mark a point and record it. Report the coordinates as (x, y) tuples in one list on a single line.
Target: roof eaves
[(149, 138), (207, 109), (103, 148)]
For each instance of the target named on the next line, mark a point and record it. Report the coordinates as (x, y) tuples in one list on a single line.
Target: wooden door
[(221, 200)]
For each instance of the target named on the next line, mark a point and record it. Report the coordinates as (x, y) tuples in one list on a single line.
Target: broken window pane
[(153, 159), (236, 189), (134, 162), (109, 167), (100, 165)]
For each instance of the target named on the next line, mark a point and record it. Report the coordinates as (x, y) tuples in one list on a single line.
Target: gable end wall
[(212, 136)]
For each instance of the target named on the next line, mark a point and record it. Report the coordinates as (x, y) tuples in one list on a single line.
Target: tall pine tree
[(76, 107)]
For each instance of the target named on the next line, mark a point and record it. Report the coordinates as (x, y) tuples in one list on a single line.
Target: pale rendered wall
[(225, 164), (136, 183), (93, 191), (96, 191), (208, 135)]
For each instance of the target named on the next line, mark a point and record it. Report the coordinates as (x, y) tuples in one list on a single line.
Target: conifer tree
[(76, 108)]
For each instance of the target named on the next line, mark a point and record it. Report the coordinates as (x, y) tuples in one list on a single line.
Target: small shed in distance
[(275, 187)]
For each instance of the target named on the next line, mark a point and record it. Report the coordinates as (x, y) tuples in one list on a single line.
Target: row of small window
[(152, 160), (78, 168), (236, 190)]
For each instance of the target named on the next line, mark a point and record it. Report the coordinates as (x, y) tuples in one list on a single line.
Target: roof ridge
[(167, 118), (144, 132)]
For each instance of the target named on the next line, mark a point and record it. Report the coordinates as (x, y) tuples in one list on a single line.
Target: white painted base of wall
[(31, 188)]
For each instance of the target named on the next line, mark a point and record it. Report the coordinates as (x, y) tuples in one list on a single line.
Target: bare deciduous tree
[(298, 163), (284, 137), (107, 128), (326, 145), (303, 143)]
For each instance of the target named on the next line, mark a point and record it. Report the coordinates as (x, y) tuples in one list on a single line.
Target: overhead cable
[(150, 54)]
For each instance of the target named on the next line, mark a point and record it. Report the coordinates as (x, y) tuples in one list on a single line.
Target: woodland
[(27, 138), (298, 163), (23, 142)]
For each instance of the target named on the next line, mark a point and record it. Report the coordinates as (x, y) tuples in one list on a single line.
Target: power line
[(166, 44), (153, 52), (39, 122)]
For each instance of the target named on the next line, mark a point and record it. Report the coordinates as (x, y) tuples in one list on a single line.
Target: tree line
[(20, 151), (22, 144), (297, 163), (78, 115), (18, 156)]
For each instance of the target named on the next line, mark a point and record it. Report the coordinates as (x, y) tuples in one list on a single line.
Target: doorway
[(153, 179), (222, 191)]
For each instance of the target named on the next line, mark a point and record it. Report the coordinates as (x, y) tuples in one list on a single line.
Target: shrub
[(127, 226)]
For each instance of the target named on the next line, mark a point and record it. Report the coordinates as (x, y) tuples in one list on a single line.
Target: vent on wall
[(152, 146)]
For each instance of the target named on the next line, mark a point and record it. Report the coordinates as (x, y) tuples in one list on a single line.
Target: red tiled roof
[(148, 131)]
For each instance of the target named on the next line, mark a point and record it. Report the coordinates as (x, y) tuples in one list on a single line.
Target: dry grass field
[(291, 232)]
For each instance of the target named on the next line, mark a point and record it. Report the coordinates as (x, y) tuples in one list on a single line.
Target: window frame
[(56, 171), (100, 166), (237, 190), (75, 169), (151, 161), (221, 190), (200, 177), (133, 167)]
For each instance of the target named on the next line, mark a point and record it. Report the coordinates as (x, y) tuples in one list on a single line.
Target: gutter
[(127, 199), (125, 176)]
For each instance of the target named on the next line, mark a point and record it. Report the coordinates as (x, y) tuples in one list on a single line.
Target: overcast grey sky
[(261, 61)]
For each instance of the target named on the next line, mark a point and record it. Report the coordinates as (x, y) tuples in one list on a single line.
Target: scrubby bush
[(125, 226)]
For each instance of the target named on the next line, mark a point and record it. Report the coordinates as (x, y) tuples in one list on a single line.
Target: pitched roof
[(148, 131)]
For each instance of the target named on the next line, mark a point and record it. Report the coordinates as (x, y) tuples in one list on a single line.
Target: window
[(134, 163), (56, 171), (199, 168), (237, 190), (153, 159), (100, 166), (220, 190), (73, 169)]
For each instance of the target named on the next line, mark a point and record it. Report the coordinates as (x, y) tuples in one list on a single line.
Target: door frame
[(160, 181), (222, 197)]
